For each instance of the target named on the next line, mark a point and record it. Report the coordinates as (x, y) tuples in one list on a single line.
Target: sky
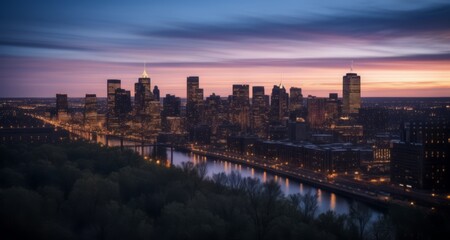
[(398, 47)]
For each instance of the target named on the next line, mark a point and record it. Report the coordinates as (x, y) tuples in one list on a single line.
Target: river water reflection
[(326, 200)]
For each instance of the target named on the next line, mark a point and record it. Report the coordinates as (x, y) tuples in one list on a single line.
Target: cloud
[(43, 45), (431, 22)]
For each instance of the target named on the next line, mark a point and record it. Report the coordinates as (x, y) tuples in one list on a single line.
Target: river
[(326, 200)]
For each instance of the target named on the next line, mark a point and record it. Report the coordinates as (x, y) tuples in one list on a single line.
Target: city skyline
[(400, 49)]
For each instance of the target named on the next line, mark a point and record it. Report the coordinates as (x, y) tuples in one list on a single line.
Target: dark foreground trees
[(84, 191)]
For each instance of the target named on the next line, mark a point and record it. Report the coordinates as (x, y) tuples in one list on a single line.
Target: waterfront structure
[(351, 93), (112, 120), (420, 159)]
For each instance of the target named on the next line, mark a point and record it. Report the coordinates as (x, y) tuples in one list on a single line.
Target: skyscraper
[(90, 110), (259, 110), (194, 101), (142, 92), (295, 99), (122, 104), (214, 114), (147, 108), (316, 111), (351, 93), (112, 120), (62, 107), (279, 104), (240, 106)]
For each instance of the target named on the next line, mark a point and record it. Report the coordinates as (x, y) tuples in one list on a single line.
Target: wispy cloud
[(354, 26)]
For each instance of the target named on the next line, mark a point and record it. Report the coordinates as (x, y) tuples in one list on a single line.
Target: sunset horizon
[(399, 50)]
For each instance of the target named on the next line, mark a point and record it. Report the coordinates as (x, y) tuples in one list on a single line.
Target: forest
[(79, 190)]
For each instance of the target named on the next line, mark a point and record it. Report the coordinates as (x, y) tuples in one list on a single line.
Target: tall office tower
[(214, 114), (142, 92), (156, 93), (420, 159), (332, 108), (296, 110), (90, 110), (122, 104), (259, 110), (240, 106), (316, 111), (147, 108), (295, 99), (351, 93), (194, 101), (171, 106), (112, 120), (322, 112), (278, 105), (62, 107), (171, 120)]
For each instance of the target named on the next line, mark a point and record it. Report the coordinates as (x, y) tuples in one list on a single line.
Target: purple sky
[(400, 47)]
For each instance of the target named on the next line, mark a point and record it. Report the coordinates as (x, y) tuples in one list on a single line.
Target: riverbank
[(313, 181)]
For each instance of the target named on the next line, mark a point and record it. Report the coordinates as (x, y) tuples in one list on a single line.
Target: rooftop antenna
[(144, 74), (351, 66)]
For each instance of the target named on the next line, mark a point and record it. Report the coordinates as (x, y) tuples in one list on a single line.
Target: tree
[(306, 204), (360, 216), (381, 229)]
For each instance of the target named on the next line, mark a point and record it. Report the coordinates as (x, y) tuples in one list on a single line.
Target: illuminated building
[(322, 112), (194, 101), (421, 158), (295, 99), (298, 130), (259, 110), (171, 106), (351, 93), (316, 112), (112, 121), (62, 107), (171, 114), (142, 92), (325, 158), (215, 114), (147, 109), (90, 110), (279, 103), (122, 104), (240, 107)]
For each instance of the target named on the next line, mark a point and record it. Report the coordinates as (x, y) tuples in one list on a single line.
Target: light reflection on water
[(326, 200)]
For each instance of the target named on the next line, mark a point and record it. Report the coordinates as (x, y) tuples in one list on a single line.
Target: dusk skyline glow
[(399, 48)]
